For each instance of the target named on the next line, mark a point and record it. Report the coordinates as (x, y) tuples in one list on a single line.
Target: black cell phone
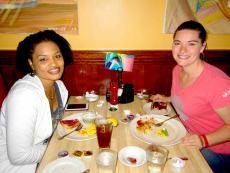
[(76, 106)]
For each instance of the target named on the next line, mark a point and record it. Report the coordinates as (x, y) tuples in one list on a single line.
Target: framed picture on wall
[(28, 16), (213, 14)]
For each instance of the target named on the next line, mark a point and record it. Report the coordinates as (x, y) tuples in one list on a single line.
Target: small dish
[(132, 156), (142, 96), (91, 97)]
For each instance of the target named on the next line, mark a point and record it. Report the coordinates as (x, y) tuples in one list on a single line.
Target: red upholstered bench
[(3, 90)]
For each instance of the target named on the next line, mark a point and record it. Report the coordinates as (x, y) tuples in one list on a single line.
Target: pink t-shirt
[(196, 103)]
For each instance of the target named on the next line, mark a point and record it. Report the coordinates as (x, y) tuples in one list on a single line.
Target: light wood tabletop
[(121, 137)]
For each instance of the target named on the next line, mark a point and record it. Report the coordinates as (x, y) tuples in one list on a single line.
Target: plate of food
[(170, 133), (66, 165), (158, 108), (67, 124)]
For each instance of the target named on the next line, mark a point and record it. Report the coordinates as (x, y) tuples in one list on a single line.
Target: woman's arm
[(221, 135), (22, 110)]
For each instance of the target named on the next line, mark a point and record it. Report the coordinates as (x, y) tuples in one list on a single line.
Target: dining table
[(121, 137)]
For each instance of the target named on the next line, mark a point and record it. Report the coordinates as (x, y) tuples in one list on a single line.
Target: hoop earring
[(202, 57), (32, 73)]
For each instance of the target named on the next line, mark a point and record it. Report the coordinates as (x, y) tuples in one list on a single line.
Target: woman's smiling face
[(47, 61), (187, 47)]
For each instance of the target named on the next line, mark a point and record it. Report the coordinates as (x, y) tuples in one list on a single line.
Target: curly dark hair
[(193, 25), (26, 48)]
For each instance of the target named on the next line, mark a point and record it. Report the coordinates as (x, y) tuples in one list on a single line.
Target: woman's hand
[(160, 98), (192, 141)]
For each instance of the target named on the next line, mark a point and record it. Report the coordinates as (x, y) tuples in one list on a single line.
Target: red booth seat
[(3, 90)]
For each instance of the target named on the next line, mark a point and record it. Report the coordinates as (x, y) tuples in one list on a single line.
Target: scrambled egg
[(90, 130)]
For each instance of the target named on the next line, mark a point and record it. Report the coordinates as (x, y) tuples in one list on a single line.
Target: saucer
[(91, 97), (132, 156), (142, 96)]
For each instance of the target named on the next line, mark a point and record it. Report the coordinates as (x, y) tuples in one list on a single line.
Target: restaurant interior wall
[(120, 25)]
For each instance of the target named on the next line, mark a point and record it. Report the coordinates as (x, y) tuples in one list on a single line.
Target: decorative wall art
[(118, 61), (29, 16), (213, 14)]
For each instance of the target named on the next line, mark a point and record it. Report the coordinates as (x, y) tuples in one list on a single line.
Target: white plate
[(75, 135), (65, 165), (132, 151), (142, 96), (175, 129), (147, 108), (92, 97)]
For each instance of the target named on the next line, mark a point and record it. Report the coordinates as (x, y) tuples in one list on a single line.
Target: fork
[(162, 122), (79, 127)]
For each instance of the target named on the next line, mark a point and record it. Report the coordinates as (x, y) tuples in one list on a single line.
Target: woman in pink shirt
[(200, 94)]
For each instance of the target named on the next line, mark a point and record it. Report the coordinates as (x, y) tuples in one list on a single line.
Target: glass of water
[(106, 161), (156, 158)]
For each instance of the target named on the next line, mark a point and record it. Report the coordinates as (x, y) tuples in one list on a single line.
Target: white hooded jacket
[(25, 123)]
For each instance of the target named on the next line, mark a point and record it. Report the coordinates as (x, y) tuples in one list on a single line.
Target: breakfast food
[(88, 131), (70, 124), (132, 160), (159, 105), (63, 153), (162, 132), (145, 126), (79, 153)]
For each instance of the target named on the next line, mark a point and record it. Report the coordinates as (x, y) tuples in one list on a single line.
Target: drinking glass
[(106, 161), (156, 158), (104, 132)]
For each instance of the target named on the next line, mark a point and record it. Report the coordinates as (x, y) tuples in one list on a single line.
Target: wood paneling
[(152, 70)]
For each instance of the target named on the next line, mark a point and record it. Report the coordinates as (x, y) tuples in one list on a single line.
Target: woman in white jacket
[(34, 102)]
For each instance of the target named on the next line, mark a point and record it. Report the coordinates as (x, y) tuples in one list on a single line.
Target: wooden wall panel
[(152, 70)]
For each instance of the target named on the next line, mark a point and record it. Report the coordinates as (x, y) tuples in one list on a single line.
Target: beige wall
[(121, 25)]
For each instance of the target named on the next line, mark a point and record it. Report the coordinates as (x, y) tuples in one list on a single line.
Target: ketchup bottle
[(113, 91)]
